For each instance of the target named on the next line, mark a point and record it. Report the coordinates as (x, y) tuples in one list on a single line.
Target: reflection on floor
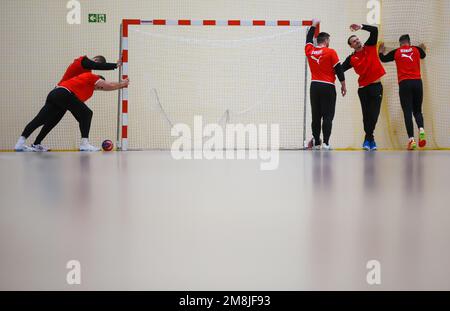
[(143, 221)]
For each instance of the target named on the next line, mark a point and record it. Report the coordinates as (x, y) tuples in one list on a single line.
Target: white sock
[(421, 130), (21, 140), (84, 141)]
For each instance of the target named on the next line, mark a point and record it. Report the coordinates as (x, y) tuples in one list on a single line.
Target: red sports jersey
[(407, 59), (321, 62), (367, 65), (82, 86), (74, 69)]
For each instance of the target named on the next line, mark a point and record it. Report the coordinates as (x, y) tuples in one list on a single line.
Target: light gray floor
[(143, 221)]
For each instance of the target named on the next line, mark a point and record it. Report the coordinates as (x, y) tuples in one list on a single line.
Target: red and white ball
[(107, 145)]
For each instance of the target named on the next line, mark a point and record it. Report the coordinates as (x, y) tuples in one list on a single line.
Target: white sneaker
[(22, 148), (88, 147), (39, 148), (326, 147)]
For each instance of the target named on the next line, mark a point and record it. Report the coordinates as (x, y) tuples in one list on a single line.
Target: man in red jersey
[(68, 95), (80, 65), (325, 66), (407, 58), (367, 65)]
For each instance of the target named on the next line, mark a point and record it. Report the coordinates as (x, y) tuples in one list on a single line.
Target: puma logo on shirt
[(316, 59), (408, 56)]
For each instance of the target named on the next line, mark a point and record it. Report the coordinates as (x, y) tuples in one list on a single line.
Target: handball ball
[(107, 145)]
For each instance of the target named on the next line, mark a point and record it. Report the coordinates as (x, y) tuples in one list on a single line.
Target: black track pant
[(323, 105), (411, 97), (59, 100), (371, 97)]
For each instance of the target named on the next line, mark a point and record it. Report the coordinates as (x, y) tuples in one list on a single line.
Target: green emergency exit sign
[(96, 18)]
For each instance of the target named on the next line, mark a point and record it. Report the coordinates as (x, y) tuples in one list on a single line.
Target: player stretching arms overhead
[(80, 65), (367, 65), (324, 64), (407, 58), (69, 95)]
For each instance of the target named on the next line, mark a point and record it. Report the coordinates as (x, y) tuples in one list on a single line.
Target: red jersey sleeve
[(334, 57), (309, 47)]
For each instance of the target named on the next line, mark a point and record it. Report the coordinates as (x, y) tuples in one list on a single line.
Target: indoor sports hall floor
[(143, 221)]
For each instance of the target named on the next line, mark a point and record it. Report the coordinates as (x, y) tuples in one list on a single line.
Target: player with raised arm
[(80, 65), (407, 58), (68, 95), (325, 66), (367, 65)]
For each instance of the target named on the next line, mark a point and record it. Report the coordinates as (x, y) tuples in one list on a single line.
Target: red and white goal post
[(128, 24)]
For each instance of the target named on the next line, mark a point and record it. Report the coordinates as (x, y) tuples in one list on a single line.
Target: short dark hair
[(322, 37), (100, 59), (349, 38), (404, 38)]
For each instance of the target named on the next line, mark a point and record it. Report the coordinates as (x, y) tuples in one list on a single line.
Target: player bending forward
[(68, 95), (80, 65), (407, 58), (325, 65), (367, 65)]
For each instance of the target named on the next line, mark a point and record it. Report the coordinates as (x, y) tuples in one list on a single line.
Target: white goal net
[(239, 75)]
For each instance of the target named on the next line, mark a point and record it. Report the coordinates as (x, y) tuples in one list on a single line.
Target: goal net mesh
[(238, 75)]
